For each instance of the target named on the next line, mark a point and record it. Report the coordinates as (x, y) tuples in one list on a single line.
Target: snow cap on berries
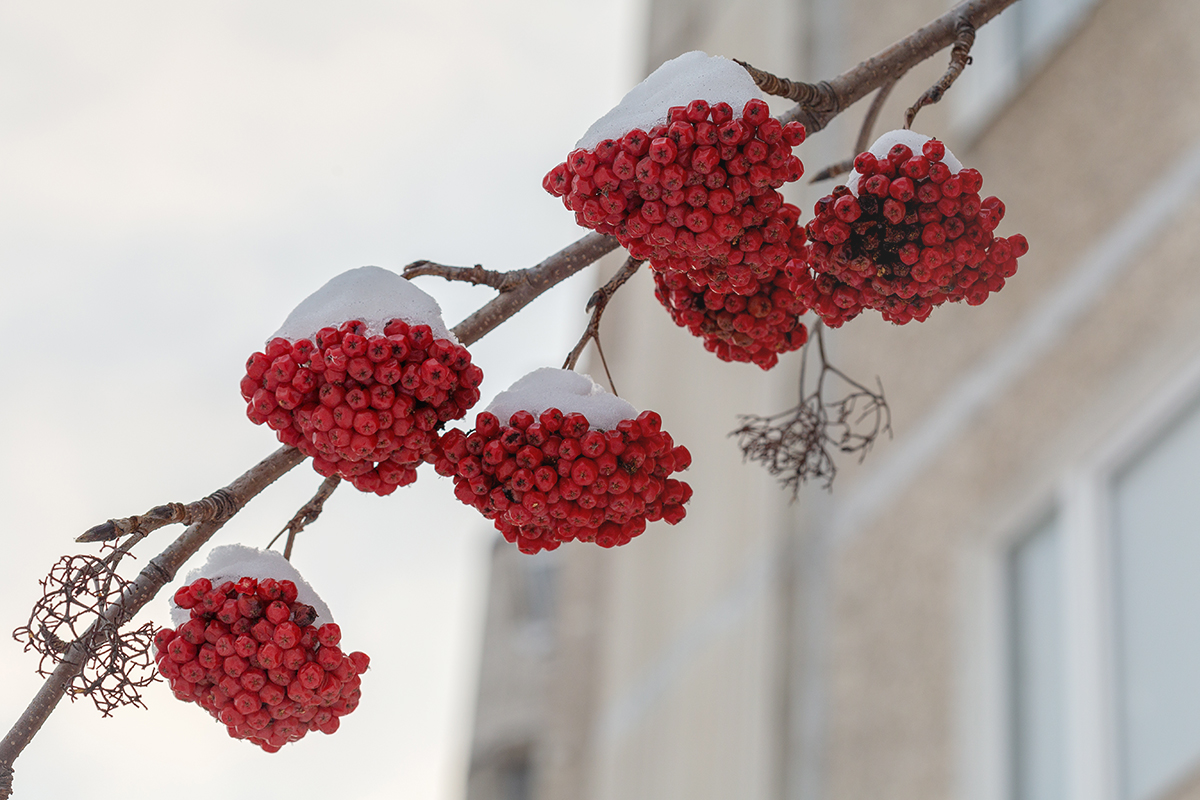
[(565, 390), (676, 83), (374, 295), (911, 139), (230, 562)]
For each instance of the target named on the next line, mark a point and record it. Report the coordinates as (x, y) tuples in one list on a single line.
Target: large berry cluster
[(910, 233), (687, 194), (733, 326), (252, 658), (368, 408), (553, 478)]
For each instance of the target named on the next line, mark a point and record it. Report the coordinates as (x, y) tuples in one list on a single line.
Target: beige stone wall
[(762, 650)]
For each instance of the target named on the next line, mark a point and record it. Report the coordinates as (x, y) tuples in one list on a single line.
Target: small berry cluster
[(553, 479), (251, 657), (696, 191), (916, 235), (733, 326), (366, 408)]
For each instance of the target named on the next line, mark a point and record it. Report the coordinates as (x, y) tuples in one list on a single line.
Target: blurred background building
[(1000, 603)]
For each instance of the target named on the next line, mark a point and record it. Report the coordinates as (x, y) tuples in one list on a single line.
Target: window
[(1082, 651), (1155, 513)]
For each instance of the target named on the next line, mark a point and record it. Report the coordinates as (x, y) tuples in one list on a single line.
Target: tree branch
[(894, 61)]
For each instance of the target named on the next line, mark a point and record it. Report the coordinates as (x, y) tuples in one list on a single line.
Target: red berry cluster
[(251, 657), (733, 326), (916, 236), (366, 408), (688, 194), (552, 479)]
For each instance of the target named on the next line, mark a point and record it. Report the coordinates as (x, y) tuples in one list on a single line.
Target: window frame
[(1080, 500)]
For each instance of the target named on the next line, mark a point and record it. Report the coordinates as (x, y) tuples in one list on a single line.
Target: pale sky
[(174, 178)]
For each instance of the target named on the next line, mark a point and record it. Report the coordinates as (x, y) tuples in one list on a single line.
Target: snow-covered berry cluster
[(251, 656), (548, 477), (364, 398), (691, 186), (733, 326), (367, 408), (693, 192), (908, 232)]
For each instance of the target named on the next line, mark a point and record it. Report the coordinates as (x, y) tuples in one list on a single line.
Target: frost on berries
[(556, 458), (907, 232), (685, 172), (362, 377), (258, 650)]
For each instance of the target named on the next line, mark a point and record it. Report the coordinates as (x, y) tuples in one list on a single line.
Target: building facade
[(999, 602)]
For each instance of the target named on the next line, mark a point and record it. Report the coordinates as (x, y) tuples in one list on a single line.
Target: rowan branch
[(960, 56), (597, 303), (817, 104)]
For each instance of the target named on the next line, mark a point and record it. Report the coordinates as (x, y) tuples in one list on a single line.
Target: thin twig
[(864, 136), (597, 303), (207, 508), (523, 286), (476, 274), (817, 97), (960, 56), (307, 514)]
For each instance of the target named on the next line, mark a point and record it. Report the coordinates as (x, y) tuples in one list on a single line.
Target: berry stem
[(597, 303), (307, 514), (960, 56), (864, 136), (157, 573)]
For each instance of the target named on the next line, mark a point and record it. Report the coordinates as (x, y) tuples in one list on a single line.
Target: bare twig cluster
[(75, 596), (797, 445)]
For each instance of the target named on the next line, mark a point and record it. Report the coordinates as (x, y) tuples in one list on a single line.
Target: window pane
[(1156, 514), (1037, 668)]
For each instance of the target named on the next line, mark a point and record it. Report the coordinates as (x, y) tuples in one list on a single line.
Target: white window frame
[(1080, 500)]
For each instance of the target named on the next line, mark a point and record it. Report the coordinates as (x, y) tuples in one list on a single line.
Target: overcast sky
[(174, 178)]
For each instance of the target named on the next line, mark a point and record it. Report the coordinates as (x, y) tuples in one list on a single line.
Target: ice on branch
[(565, 390), (691, 76), (911, 139), (373, 295), (231, 562)]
